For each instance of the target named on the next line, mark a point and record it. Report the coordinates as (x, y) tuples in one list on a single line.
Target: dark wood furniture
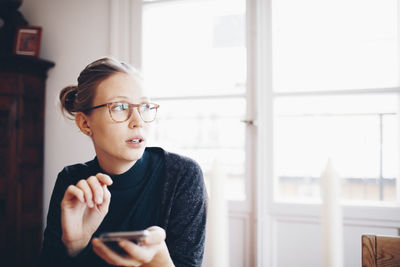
[(380, 251), (22, 91)]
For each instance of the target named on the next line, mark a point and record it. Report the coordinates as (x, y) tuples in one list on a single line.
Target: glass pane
[(194, 47), (335, 44), (358, 133), (208, 131)]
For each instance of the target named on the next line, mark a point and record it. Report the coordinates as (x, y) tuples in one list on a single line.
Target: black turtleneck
[(161, 189), (135, 195)]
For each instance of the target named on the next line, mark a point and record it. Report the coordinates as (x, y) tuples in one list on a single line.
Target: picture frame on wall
[(27, 41)]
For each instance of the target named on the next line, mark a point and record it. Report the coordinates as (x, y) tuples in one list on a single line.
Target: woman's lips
[(135, 142)]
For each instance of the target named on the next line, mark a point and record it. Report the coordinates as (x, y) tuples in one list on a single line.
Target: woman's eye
[(119, 107), (145, 107)]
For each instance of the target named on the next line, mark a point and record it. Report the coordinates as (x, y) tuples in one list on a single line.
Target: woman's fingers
[(141, 253), (151, 244), (104, 178), (106, 195), (74, 192), (96, 188), (136, 254), (110, 256), (156, 236), (106, 199), (84, 186), (91, 191)]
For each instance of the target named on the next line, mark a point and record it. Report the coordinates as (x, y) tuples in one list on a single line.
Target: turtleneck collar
[(131, 177)]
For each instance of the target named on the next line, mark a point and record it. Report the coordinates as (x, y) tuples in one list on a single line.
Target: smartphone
[(111, 239)]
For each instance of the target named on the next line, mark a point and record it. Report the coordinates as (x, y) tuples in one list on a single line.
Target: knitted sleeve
[(186, 208)]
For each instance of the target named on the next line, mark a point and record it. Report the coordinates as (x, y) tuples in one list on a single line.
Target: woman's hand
[(83, 208), (152, 252)]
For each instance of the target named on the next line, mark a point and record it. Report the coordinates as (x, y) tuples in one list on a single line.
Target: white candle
[(332, 225), (217, 223)]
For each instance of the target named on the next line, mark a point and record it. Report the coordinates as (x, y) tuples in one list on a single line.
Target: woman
[(127, 186)]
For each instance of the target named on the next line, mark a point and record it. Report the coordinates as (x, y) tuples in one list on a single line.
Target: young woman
[(127, 186)]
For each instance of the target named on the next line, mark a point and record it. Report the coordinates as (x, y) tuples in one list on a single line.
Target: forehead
[(119, 86)]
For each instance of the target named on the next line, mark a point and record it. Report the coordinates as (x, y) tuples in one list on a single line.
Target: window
[(336, 82), (357, 132), (194, 57)]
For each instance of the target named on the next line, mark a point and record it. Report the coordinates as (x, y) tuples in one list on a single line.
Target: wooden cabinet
[(22, 92)]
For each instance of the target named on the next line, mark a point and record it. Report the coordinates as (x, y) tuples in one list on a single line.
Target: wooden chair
[(380, 251)]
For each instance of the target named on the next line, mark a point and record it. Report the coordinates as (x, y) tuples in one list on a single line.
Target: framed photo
[(27, 41)]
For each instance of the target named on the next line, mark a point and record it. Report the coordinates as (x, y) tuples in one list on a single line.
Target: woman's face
[(123, 142)]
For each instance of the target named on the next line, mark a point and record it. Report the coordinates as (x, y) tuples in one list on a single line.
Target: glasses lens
[(148, 112), (119, 111)]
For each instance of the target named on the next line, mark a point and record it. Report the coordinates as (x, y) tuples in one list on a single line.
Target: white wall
[(74, 34)]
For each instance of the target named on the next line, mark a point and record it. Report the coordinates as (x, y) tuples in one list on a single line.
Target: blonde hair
[(79, 98)]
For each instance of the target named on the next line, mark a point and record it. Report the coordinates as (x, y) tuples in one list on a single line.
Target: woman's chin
[(134, 155)]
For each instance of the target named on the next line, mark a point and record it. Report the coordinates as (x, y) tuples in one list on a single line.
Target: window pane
[(359, 134), (335, 44), (194, 47), (194, 63), (207, 131)]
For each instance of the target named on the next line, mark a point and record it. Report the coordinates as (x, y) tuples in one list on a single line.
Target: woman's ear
[(82, 121)]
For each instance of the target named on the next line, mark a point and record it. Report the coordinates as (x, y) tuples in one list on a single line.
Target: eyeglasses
[(121, 111)]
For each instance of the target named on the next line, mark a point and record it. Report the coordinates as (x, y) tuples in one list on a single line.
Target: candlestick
[(332, 225), (217, 223)]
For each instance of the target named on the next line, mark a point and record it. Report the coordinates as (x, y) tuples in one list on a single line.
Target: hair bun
[(67, 99)]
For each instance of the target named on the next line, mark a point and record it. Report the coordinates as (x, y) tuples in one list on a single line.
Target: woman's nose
[(135, 119)]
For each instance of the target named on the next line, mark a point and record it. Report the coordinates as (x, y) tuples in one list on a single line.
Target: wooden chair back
[(380, 251)]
